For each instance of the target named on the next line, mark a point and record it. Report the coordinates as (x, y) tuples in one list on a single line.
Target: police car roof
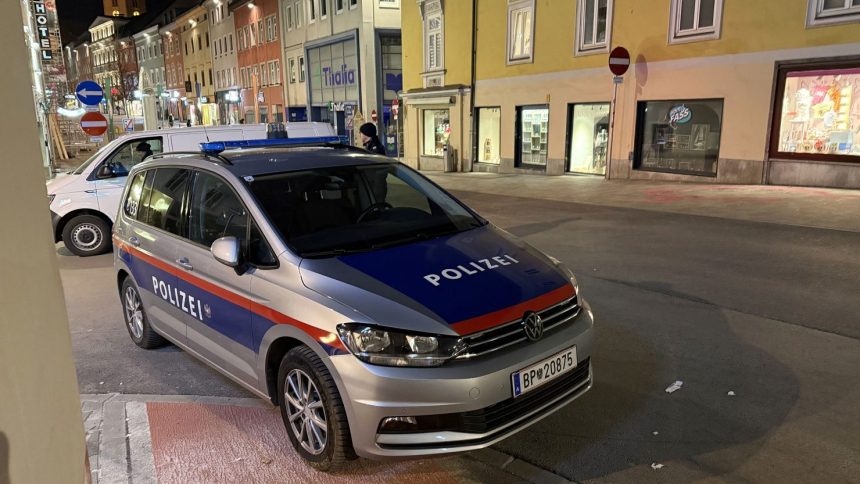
[(262, 161)]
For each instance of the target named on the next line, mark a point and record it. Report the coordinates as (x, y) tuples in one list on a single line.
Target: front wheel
[(87, 235), (136, 321), (313, 411)]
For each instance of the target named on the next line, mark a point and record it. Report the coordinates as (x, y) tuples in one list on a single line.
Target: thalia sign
[(342, 77)]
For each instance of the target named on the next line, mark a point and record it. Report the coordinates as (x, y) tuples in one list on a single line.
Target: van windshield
[(326, 212), (83, 166)]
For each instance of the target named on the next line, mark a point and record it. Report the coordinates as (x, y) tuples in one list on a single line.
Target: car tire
[(323, 398), (87, 235), (136, 321)]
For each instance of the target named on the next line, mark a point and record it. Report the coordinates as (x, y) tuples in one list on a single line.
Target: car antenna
[(205, 133)]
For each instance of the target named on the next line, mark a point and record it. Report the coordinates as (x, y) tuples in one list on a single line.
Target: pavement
[(745, 294), (191, 439)]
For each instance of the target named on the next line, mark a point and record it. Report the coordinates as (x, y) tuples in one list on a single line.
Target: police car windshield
[(333, 211)]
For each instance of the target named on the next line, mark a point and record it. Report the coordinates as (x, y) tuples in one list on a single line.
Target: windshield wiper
[(333, 252)]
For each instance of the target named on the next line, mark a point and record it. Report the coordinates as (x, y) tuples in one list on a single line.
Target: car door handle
[(134, 241), (185, 264)]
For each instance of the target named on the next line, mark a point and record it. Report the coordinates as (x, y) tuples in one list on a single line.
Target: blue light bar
[(216, 147)]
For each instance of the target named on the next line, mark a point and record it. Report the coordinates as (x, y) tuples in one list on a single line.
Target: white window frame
[(323, 11), (432, 10), (342, 3), (312, 11), (271, 28), (289, 12), (297, 8), (353, 4), (389, 3), (696, 34), (292, 62), (583, 48), (816, 16), (515, 5), (301, 68), (264, 74)]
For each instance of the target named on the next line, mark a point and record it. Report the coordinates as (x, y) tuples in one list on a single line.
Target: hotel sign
[(40, 14)]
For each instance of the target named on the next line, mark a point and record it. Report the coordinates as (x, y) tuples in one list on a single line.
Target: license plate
[(547, 370)]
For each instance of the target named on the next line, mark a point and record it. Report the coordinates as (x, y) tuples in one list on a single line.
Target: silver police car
[(382, 315)]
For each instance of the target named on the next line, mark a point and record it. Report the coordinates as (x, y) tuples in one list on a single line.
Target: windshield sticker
[(473, 268)]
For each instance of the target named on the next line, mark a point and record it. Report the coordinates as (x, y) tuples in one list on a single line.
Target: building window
[(693, 20), (274, 77), (297, 8), (532, 135), (289, 17), (593, 26), (292, 70), (252, 35), (434, 41), (271, 28), (323, 8), (829, 12), (817, 112), (353, 4), (437, 128), (678, 136), (587, 137), (520, 30), (389, 3), (338, 4), (261, 33), (312, 11), (489, 134), (301, 69), (264, 74)]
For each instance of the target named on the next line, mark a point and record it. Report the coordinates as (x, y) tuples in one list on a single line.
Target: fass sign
[(679, 115)]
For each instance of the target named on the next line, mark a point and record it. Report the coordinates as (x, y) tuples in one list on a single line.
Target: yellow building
[(199, 99), (723, 91)]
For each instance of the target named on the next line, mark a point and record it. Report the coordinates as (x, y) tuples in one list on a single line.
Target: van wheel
[(136, 321), (87, 235), (312, 411)]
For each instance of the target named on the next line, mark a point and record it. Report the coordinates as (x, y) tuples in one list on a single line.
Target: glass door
[(588, 138)]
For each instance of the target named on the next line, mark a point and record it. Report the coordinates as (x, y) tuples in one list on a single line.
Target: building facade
[(224, 61), (258, 37), (196, 58), (152, 84), (124, 8), (129, 81), (342, 57), (105, 60), (714, 93), (174, 68)]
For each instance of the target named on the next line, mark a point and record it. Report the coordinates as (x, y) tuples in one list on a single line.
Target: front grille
[(511, 333)]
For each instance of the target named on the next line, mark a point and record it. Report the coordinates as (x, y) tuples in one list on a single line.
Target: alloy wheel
[(306, 412), (134, 312)]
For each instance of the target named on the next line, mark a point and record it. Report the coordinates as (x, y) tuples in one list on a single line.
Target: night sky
[(76, 15)]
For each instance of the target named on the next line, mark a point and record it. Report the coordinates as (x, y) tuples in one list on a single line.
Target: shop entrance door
[(587, 138)]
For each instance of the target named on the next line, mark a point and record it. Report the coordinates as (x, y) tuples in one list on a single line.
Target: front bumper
[(478, 393)]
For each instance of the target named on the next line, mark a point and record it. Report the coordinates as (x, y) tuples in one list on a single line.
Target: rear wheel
[(313, 411), (87, 235), (136, 321)]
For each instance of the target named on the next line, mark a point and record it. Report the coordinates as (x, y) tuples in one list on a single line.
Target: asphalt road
[(767, 312)]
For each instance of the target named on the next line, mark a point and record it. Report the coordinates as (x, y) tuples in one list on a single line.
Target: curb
[(119, 442)]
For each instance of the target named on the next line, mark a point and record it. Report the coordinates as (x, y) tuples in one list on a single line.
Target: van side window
[(164, 206), (215, 211), (133, 152), (259, 252), (131, 207)]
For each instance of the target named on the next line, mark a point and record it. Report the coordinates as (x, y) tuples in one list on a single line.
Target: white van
[(84, 202)]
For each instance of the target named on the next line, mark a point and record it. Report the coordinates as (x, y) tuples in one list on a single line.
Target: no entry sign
[(619, 61), (94, 124)]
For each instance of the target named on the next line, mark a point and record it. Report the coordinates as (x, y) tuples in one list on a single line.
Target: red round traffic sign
[(619, 61), (94, 124)]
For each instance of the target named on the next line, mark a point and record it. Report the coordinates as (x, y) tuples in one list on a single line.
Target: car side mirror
[(226, 251), (104, 172)]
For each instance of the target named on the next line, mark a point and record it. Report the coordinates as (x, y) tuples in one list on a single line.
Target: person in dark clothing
[(370, 140), (145, 149)]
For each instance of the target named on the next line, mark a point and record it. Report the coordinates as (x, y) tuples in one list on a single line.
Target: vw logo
[(532, 325)]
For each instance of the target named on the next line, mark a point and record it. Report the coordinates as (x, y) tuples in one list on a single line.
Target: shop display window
[(489, 134), (679, 136), (819, 113), (532, 135), (437, 128), (588, 136)]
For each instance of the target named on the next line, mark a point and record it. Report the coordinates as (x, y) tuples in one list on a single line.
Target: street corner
[(191, 439)]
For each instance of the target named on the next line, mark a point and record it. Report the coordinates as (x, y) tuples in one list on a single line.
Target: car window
[(133, 152), (329, 211), (259, 252), (216, 211), (164, 206), (135, 190)]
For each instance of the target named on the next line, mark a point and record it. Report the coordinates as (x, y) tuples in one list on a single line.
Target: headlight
[(51, 198), (389, 347)]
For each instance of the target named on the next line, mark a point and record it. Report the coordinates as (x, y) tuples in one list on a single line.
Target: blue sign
[(89, 93), (679, 115)]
